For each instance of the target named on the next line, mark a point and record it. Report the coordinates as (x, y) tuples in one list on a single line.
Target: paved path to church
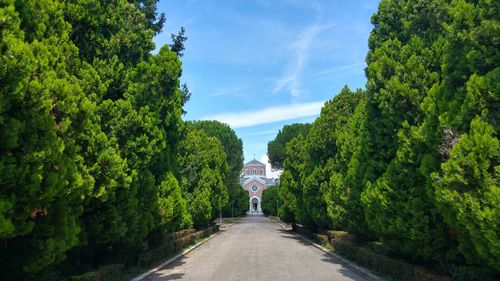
[(255, 249)]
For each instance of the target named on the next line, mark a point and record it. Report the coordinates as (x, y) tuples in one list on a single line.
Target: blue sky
[(258, 65)]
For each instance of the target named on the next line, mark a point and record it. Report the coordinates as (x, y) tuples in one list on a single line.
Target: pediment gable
[(250, 180), (255, 163)]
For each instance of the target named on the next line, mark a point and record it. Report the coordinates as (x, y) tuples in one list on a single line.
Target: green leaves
[(172, 207), (233, 148), (270, 201), (90, 123), (276, 149), (312, 186), (468, 195), (203, 169), (43, 180)]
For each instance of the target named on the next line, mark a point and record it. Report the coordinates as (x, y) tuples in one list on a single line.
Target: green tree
[(276, 149), (270, 201), (42, 178), (348, 156), (290, 188), (233, 148), (413, 163), (134, 156), (330, 146), (154, 21), (468, 196), (203, 169), (466, 99), (114, 31), (287, 208), (91, 121), (404, 63)]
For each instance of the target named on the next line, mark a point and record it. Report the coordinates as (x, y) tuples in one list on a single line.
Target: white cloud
[(291, 78), (268, 115), (269, 170)]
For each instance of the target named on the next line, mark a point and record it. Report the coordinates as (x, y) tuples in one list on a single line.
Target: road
[(255, 249)]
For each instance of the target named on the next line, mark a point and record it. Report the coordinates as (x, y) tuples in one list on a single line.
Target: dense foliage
[(270, 201), (233, 148), (203, 169), (276, 149), (413, 161), (96, 164)]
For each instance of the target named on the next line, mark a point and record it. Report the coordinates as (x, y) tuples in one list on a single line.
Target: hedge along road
[(255, 249)]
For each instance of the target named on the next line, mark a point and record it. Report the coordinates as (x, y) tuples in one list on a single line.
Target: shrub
[(112, 272)]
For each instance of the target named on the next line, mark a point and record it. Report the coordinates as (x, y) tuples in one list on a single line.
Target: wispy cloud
[(268, 115), (263, 133), (291, 78), (237, 90), (340, 68), (227, 91)]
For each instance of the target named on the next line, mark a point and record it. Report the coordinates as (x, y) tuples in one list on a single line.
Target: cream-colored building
[(254, 181)]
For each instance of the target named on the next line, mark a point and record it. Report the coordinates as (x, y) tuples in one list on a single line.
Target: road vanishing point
[(255, 249)]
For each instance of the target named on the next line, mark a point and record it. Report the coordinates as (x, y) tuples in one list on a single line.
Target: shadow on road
[(178, 262), (291, 235), (173, 276), (350, 274), (160, 274), (346, 272)]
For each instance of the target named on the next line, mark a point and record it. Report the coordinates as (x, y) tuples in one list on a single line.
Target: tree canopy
[(276, 149), (203, 169), (233, 148), (270, 201)]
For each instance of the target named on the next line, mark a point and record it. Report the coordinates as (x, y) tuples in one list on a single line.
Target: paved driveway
[(255, 249)]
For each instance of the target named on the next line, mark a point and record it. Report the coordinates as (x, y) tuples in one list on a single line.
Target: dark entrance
[(255, 202)]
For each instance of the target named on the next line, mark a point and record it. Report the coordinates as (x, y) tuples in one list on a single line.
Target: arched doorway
[(255, 205)]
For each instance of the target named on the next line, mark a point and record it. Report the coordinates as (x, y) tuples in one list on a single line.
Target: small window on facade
[(254, 172)]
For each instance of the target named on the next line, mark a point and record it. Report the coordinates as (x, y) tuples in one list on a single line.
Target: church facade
[(254, 181)]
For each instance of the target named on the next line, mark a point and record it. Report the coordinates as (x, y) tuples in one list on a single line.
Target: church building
[(254, 181)]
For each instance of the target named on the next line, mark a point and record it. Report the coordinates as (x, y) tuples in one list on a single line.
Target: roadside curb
[(283, 226), (145, 274), (352, 266)]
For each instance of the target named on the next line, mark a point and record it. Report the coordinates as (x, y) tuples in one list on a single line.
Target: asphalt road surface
[(255, 249)]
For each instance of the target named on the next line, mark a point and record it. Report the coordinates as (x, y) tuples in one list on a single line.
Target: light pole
[(220, 211), (277, 208)]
